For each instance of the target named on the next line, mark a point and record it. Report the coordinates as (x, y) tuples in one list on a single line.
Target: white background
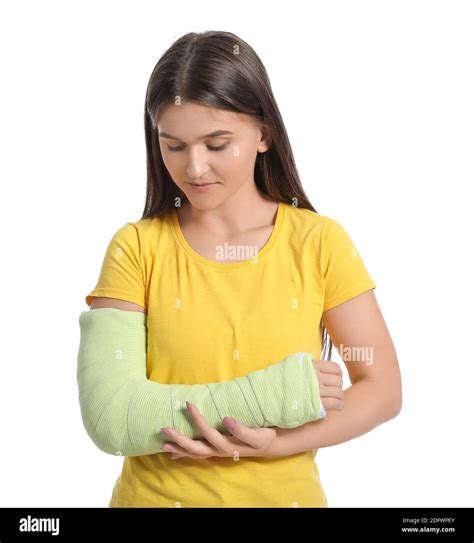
[(377, 98)]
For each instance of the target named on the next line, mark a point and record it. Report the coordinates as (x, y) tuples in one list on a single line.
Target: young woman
[(235, 270)]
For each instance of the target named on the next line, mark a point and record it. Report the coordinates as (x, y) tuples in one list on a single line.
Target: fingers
[(186, 444), (332, 404), (330, 379), (331, 392), (332, 397), (327, 366), (177, 451), (250, 436), (212, 435), (243, 441)]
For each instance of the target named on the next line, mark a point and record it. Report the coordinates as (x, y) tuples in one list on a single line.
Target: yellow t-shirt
[(209, 321)]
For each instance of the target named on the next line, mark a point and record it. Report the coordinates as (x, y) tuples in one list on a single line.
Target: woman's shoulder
[(317, 227), (306, 219), (144, 236), (150, 227)]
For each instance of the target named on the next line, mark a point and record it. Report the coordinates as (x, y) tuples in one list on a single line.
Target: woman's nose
[(196, 164)]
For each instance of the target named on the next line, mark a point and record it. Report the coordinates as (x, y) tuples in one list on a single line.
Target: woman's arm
[(359, 333), (123, 412)]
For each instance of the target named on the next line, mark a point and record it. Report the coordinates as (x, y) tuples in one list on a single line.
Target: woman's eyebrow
[(214, 134)]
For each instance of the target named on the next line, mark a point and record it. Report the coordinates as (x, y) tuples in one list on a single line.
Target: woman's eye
[(208, 146)]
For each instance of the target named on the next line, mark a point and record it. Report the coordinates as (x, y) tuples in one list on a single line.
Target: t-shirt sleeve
[(121, 275), (344, 272)]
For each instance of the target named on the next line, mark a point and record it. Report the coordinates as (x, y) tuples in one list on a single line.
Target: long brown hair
[(220, 70)]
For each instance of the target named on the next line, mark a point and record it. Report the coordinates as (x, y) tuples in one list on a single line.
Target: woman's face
[(204, 145)]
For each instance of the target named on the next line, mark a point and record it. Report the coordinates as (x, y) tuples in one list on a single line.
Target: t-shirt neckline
[(232, 265)]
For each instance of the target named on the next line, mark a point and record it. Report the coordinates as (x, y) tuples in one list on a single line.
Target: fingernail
[(166, 431), (230, 422), (188, 405)]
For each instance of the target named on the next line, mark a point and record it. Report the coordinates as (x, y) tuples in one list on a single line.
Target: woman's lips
[(201, 187)]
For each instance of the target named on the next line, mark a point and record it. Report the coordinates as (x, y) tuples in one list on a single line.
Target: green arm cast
[(124, 412)]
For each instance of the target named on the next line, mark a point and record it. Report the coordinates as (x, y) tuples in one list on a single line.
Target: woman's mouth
[(201, 186)]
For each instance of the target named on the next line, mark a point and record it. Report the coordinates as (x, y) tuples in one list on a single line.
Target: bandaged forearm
[(123, 412)]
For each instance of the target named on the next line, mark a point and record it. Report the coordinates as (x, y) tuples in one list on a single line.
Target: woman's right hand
[(329, 376)]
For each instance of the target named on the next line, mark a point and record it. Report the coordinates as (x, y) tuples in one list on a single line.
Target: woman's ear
[(265, 139)]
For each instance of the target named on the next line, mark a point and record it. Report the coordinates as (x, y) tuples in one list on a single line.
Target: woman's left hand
[(244, 441)]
